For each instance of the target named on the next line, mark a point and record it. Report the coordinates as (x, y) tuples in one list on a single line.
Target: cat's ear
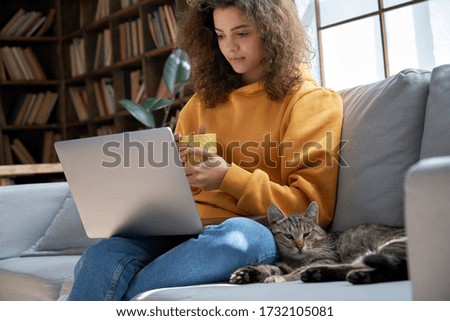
[(312, 211), (274, 214)]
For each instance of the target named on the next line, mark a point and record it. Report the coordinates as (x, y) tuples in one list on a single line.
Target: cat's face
[(296, 235)]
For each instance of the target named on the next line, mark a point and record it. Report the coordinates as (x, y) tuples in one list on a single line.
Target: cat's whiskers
[(397, 240)]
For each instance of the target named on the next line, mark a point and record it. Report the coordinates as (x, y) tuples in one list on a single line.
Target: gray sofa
[(395, 170)]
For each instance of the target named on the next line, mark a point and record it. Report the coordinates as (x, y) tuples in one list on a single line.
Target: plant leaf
[(176, 71), (152, 104), (139, 112)]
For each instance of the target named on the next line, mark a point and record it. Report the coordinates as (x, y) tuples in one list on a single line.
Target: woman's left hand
[(207, 172)]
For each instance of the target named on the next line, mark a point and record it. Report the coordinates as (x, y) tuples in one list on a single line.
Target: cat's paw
[(275, 279), (359, 277), (245, 275), (312, 274), (319, 274)]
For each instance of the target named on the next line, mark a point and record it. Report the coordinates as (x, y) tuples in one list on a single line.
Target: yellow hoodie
[(280, 152)]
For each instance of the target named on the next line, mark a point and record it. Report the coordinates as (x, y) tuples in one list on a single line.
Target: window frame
[(381, 16)]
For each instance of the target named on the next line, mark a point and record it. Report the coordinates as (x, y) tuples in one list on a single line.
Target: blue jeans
[(120, 268)]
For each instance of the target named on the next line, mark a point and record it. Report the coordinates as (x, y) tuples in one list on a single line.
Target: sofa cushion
[(65, 235), (381, 135), (287, 291), (35, 278), (436, 135), (24, 226)]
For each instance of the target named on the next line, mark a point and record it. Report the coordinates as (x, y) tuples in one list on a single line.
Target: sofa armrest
[(26, 211), (427, 218)]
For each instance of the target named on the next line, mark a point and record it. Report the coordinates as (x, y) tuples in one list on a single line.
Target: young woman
[(277, 133)]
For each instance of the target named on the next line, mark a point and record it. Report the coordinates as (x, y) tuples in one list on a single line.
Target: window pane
[(307, 13), (440, 27), (352, 54), (391, 3), (332, 11), (416, 41)]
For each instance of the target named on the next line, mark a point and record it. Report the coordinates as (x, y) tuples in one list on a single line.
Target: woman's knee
[(253, 237), (244, 224), (103, 246)]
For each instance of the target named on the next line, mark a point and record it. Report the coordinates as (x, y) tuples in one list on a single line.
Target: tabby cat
[(363, 254)]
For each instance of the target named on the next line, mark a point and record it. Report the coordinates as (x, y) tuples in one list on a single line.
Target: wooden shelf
[(28, 39), (29, 169), (27, 83), (7, 128)]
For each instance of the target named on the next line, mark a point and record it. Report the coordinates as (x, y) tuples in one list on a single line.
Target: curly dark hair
[(286, 44)]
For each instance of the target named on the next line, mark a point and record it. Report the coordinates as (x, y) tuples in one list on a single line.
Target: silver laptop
[(130, 184)]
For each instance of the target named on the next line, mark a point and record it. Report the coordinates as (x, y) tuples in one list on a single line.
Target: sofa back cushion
[(436, 135), (65, 234), (40, 219), (381, 139), (26, 212)]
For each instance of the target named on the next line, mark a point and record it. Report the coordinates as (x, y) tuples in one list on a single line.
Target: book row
[(28, 23), (33, 108), (77, 57), (127, 3), (17, 148), (103, 51), (19, 63), (163, 26), (130, 39), (105, 100), (104, 95), (104, 8)]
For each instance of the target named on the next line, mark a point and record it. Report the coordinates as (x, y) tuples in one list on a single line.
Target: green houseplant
[(176, 73)]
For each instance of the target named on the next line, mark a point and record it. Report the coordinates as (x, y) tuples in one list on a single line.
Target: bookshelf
[(64, 64)]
